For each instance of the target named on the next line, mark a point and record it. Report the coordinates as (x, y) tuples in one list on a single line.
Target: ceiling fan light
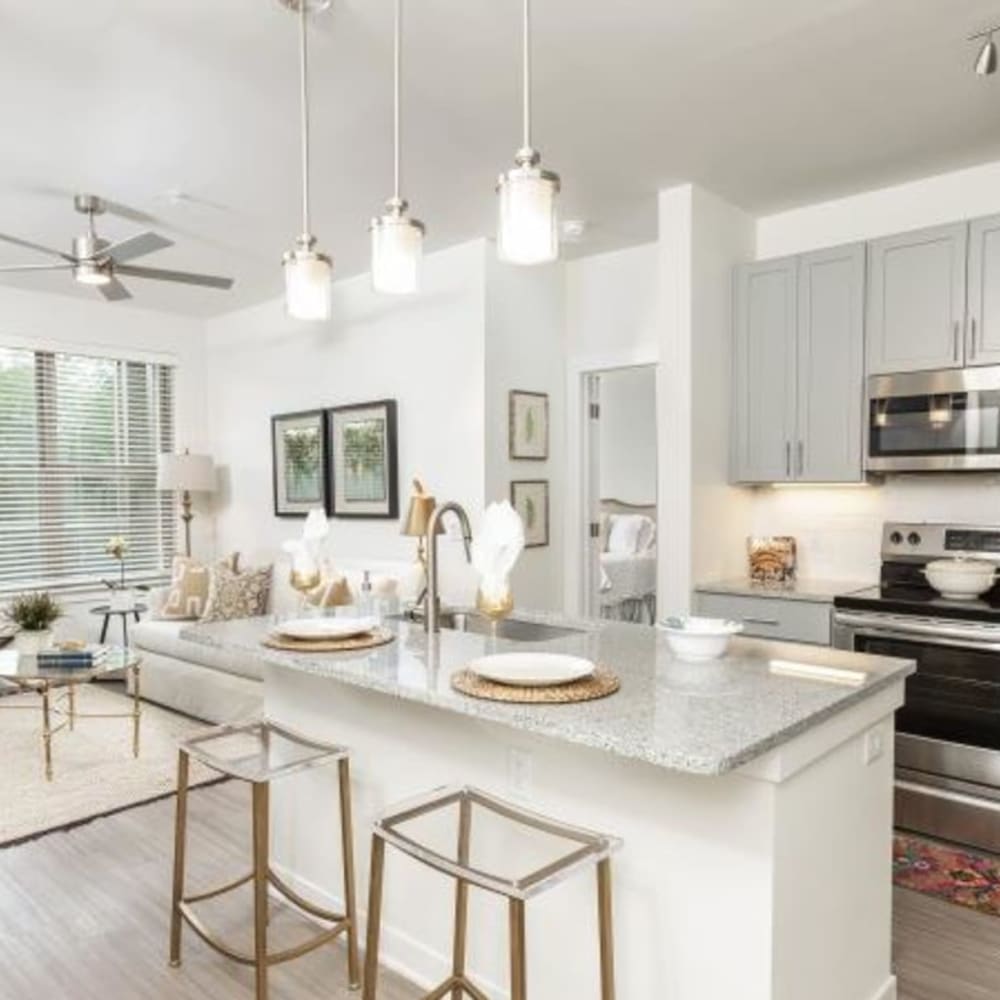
[(308, 284), (397, 251), (528, 230), (87, 273), (986, 63)]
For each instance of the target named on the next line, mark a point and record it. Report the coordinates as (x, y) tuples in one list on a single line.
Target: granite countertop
[(818, 591), (699, 718)]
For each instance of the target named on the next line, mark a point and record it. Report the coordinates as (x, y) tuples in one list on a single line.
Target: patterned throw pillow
[(188, 592), (237, 595)]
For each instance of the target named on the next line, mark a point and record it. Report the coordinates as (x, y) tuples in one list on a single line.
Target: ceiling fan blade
[(136, 246), (183, 277), (114, 291), (35, 267), (17, 241)]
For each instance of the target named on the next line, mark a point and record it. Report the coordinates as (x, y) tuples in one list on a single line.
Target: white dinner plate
[(532, 669), (324, 628)]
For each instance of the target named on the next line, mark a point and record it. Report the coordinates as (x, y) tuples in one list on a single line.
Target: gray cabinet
[(982, 345), (831, 365), (799, 368), (769, 617), (916, 300)]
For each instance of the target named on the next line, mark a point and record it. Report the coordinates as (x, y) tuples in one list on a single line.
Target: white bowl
[(699, 639), (960, 579)]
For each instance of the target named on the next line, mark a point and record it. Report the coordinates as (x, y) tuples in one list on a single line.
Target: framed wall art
[(363, 452), (299, 462), (529, 425), (530, 498)]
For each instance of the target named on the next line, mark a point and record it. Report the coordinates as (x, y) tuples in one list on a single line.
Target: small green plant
[(32, 612)]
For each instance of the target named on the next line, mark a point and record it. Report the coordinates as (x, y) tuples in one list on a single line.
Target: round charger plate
[(532, 669), (600, 684), (378, 636), (323, 628)]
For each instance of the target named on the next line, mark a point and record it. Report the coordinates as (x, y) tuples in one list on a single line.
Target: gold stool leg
[(180, 835), (606, 930), (71, 698), (374, 917), (347, 855), (46, 731), (461, 899), (261, 795), (136, 710), (518, 969)]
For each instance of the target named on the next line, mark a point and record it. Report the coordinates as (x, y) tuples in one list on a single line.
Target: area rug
[(951, 873), (95, 773)]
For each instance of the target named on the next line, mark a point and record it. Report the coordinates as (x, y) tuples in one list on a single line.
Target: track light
[(986, 61)]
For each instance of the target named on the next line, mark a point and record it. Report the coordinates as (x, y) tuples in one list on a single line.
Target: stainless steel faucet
[(432, 602)]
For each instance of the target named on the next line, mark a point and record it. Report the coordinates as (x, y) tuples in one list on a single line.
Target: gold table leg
[(136, 710), (71, 700), (46, 731), (180, 837)]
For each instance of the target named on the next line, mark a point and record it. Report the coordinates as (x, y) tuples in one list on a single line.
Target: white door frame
[(577, 531)]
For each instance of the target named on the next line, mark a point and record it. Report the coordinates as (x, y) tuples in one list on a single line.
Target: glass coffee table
[(56, 688)]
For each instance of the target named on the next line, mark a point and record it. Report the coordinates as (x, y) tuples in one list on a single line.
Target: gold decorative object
[(496, 606), (418, 517), (772, 559), (377, 637), (600, 684)]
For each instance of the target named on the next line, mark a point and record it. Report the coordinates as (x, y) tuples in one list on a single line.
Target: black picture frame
[(282, 506), (371, 509)]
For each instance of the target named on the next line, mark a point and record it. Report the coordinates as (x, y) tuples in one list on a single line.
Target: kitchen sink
[(516, 629)]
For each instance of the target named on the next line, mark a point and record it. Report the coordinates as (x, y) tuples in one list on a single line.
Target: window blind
[(79, 438)]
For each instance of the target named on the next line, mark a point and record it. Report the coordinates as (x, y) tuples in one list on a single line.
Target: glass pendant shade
[(528, 231), (308, 284), (397, 253)]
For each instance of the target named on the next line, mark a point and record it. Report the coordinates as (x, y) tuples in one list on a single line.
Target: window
[(79, 438)]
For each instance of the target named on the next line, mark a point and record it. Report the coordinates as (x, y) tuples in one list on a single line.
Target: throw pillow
[(237, 595), (333, 592), (187, 594)]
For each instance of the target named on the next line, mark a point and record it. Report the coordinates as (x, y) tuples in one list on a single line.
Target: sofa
[(218, 686)]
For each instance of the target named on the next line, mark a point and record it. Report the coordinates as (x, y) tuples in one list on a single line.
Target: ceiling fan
[(97, 262)]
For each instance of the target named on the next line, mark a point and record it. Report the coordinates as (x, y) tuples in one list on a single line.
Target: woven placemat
[(377, 637), (600, 684)]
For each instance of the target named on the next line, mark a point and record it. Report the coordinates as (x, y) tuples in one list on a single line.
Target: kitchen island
[(753, 795)]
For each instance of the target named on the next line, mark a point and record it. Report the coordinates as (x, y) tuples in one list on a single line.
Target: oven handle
[(934, 637), (933, 791)]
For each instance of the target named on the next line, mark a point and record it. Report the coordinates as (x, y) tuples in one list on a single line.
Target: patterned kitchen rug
[(965, 878)]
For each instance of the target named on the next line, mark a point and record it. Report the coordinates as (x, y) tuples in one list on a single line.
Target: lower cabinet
[(770, 617)]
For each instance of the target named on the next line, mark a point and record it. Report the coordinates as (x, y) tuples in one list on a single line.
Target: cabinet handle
[(761, 621), (972, 339), (788, 459), (958, 341), (802, 458)]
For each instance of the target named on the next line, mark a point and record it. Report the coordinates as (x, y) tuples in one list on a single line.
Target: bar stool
[(586, 849), (258, 753)]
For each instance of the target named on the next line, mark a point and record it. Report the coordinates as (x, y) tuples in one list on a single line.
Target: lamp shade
[(194, 473), (528, 228), (397, 249), (418, 517), (308, 285)]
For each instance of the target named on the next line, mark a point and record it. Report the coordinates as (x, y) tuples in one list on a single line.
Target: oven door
[(934, 421)]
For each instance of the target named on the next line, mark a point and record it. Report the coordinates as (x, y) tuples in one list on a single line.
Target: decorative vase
[(33, 640), (496, 602)]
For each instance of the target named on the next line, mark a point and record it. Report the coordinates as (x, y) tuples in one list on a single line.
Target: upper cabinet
[(916, 300), (983, 329), (799, 368)]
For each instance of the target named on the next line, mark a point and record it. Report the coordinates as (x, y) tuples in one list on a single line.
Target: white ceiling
[(769, 103)]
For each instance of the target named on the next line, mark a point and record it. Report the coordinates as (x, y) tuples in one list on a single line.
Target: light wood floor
[(83, 915)]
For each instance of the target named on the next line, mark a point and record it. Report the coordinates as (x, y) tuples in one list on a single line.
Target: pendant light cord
[(526, 33), (304, 95), (397, 56)]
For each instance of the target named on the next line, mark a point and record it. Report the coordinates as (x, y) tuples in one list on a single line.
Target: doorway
[(620, 493)]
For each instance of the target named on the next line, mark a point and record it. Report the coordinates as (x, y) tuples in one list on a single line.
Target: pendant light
[(308, 272), (986, 61), (397, 240), (528, 230)]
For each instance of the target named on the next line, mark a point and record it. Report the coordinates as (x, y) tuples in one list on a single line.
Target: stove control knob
[(913, 538), (896, 538)]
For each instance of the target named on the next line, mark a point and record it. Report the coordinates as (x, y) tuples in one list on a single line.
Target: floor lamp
[(186, 474)]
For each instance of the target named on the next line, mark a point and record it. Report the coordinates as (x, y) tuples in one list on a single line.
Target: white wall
[(427, 352), (525, 349), (628, 435), (66, 323), (839, 530)]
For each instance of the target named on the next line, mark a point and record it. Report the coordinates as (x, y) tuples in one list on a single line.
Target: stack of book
[(81, 658)]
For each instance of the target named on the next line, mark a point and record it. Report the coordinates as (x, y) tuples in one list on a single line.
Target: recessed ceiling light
[(574, 230)]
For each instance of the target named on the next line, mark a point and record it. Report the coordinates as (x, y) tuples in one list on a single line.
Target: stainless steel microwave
[(942, 421)]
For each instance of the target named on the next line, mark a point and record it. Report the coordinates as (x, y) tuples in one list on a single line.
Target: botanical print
[(303, 467), (365, 470), (529, 425), (530, 499)]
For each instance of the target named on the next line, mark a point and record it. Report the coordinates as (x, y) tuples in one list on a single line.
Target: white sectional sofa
[(214, 684)]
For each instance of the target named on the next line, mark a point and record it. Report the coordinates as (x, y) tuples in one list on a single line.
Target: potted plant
[(34, 615)]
